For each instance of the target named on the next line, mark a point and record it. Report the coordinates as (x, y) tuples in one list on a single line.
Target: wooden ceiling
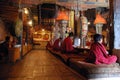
[(72, 4), (9, 8), (7, 11)]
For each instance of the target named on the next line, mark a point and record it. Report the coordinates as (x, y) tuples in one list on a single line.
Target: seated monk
[(67, 45), (98, 53), (57, 44), (49, 44)]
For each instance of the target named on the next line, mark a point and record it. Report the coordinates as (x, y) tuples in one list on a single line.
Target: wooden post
[(111, 27)]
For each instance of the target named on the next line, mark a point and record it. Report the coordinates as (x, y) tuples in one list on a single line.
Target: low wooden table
[(82, 50)]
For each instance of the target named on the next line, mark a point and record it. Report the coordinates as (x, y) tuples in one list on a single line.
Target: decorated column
[(62, 20), (84, 30)]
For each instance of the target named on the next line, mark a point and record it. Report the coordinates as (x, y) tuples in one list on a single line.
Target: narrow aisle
[(38, 65)]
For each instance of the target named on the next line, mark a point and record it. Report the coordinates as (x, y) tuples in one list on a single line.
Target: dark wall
[(47, 10)]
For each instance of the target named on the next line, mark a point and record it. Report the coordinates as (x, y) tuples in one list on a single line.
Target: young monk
[(98, 53)]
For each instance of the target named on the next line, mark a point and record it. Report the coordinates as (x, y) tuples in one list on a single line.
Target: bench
[(91, 70)]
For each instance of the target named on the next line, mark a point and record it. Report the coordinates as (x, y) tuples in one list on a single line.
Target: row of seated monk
[(65, 45), (97, 53)]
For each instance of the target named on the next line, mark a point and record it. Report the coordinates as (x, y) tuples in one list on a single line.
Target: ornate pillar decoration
[(62, 18), (56, 32), (84, 30)]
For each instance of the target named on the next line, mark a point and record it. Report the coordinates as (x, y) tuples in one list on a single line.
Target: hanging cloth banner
[(84, 26)]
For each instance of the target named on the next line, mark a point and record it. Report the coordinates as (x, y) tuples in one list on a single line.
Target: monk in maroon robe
[(98, 53), (57, 44), (49, 44), (67, 45)]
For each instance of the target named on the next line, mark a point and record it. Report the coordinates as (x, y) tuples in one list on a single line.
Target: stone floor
[(38, 65)]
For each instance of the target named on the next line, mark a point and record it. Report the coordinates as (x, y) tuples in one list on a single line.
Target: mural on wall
[(18, 27), (46, 37), (41, 37)]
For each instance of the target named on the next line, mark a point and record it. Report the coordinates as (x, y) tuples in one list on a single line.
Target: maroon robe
[(67, 45), (98, 55), (56, 45), (49, 45)]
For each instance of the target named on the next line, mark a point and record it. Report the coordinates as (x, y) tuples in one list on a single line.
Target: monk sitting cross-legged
[(98, 53), (57, 44), (67, 45)]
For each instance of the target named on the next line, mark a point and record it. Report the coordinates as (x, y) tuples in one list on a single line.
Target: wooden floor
[(38, 65)]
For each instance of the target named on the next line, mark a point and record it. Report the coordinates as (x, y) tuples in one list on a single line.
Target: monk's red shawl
[(67, 45), (56, 45), (98, 55)]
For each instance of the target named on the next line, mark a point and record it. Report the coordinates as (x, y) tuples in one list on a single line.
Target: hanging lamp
[(62, 16), (99, 21)]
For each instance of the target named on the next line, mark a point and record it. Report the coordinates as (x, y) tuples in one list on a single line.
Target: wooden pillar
[(111, 27), (21, 35)]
